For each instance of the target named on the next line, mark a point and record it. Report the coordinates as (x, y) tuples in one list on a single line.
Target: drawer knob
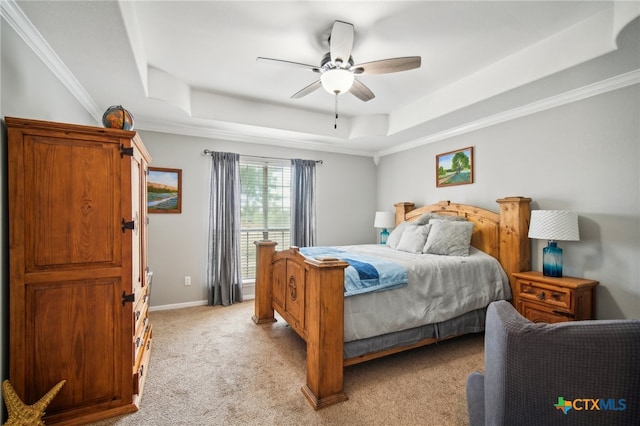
[(541, 295)]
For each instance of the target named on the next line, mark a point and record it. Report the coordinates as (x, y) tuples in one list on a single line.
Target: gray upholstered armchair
[(571, 373)]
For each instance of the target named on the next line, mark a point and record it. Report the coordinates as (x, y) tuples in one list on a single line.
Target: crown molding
[(226, 135), (15, 17), (594, 89)]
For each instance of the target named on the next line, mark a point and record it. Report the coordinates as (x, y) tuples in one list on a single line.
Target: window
[(265, 209)]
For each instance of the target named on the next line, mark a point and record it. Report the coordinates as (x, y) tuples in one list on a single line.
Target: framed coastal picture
[(164, 190), (454, 167)]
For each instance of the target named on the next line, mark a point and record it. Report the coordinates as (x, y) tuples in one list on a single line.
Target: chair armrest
[(528, 366), (475, 399)]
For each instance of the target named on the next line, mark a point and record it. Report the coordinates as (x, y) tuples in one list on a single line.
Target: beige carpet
[(214, 366)]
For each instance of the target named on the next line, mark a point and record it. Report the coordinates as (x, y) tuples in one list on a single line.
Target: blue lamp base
[(384, 234), (552, 260)]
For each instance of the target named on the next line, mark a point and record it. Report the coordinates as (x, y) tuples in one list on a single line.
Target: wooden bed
[(308, 293)]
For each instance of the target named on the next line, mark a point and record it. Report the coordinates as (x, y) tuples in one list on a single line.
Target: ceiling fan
[(337, 69)]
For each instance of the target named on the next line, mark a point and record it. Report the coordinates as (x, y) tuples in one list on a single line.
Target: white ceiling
[(190, 67)]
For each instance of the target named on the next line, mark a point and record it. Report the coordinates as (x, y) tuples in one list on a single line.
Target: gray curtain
[(224, 274), (303, 203)]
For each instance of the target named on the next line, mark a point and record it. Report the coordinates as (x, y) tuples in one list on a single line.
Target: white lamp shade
[(384, 220), (337, 81), (554, 225)]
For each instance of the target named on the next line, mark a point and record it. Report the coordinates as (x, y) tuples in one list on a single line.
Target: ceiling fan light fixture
[(337, 80)]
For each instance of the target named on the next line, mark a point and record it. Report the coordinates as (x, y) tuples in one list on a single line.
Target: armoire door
[(138, 184), (68, 276)]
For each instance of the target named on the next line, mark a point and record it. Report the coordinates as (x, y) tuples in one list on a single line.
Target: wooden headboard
[(501, 234)]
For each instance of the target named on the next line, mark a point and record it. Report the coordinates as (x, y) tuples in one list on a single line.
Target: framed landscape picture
[(455, 167), (164, 190)]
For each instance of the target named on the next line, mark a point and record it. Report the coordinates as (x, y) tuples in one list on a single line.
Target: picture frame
[(454, 167), (164, 190)]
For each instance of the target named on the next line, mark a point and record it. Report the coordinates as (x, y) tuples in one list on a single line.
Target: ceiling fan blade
[(341, 41), (360, 91), (310, 88), (281, 62), (386, 66)]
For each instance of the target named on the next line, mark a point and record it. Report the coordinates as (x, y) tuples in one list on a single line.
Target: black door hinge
[(128, 225), (126, 151), (127, 297)]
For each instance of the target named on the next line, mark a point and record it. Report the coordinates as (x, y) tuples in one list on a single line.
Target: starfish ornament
[(21, 414)]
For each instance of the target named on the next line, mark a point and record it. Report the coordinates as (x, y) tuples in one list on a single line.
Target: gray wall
[(178, 242), (583, 156)]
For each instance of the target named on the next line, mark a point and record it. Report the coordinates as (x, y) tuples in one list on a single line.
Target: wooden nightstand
[(549, 299)]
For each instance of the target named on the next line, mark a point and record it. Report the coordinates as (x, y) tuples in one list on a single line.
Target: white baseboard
[(248, 293), (178, 305)]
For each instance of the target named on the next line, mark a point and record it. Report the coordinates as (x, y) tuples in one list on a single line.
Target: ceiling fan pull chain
[(335, 123)]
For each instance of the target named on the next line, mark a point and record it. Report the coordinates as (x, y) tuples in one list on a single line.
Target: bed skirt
[(471, 322)]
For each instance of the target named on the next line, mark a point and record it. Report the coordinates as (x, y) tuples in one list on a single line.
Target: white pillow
[(413, 238), (394, 237), (450, 238)]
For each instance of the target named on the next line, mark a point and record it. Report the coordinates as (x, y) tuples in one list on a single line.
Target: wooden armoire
[(78, 277)]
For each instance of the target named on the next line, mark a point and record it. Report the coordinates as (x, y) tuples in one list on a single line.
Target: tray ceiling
[(190, 67)]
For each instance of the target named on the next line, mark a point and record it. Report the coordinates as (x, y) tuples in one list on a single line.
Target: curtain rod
[(209, 152)]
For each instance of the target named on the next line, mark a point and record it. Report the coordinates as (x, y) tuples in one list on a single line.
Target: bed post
[(515, 249), (402, 209), (325, 334), (263, 308)]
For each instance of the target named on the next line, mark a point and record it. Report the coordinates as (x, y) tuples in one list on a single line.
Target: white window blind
[(265, 208)]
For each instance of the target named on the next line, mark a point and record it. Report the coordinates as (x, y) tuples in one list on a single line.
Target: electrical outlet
[(187, 280)]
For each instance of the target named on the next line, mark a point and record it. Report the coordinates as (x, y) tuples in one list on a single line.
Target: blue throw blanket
[(364, 273)]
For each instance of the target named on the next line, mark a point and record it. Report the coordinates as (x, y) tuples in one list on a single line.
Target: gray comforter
[(440, 288)]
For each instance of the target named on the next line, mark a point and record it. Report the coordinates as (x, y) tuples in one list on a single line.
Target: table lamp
[(384, 220), (553, 225)]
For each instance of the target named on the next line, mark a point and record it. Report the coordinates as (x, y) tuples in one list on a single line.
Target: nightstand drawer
[(552, 295), (542, 313), (552, 299)]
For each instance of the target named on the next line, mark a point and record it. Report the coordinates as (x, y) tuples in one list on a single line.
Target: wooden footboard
[(309, 293)]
